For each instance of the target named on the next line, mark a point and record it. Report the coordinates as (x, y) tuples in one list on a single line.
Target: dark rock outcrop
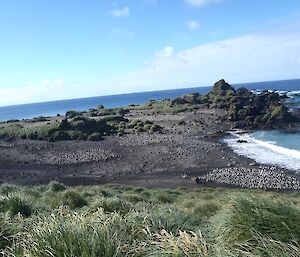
[(245, 109)]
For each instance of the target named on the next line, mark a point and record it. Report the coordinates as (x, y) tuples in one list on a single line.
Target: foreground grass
[(113, 220)]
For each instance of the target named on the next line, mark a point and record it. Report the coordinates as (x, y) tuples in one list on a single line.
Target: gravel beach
[(189, 147)]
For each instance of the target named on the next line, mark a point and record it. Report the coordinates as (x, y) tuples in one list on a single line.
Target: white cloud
[(201, 3), (192, 25), (34, 92), (123, 12), (167, 52), (250, 58)]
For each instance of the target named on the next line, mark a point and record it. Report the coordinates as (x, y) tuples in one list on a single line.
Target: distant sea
[(279, 148), (53, 108)]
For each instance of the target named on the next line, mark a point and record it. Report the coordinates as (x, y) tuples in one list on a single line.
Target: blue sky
[(60, 49)]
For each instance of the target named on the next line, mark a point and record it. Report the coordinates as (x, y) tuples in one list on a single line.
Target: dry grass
[(133, 222)]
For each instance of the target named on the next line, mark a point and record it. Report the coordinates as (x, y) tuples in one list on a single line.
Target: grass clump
[(7, 232), (62, 235), (115, 204), (165, 197), (206, 209), (74, 199), (135, 198), (164, 217), (15, 205), (185, 244), (248, 220), (55, 186)]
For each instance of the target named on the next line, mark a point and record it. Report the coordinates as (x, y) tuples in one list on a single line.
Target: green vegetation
[(115, 221), (166, 106), (245, 110), (93, 125), (55, 186)]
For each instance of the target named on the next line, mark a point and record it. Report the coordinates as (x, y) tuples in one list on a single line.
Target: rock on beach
[(260, 178)]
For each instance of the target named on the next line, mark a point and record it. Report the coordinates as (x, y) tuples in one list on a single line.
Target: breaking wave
[(266, 151)]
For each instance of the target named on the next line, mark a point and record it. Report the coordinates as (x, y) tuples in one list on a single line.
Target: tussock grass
[(165, 197), (65, 234), (55, 186), (206, 209), (188, 244), (115, 204), (16, 205), (73, 199), (7, 231), (250, 222), (116, 220)]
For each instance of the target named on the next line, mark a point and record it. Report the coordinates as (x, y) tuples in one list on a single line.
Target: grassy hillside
[(116, 221)]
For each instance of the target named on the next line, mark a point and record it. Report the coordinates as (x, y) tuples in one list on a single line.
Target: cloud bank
[(250, 58)]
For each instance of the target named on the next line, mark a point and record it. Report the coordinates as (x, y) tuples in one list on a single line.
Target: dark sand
[(172, 159)]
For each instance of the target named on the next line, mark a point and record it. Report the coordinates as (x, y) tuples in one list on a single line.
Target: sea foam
[(264, 152)]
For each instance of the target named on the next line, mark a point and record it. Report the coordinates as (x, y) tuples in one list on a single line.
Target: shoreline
[(269, 147), (172, 159), (171, 143)]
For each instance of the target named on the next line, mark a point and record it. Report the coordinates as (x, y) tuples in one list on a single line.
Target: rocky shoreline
[(164, 144), (186, 150), (267, 178)]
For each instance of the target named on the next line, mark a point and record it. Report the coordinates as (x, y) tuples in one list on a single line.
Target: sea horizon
[(160, 90), (52, 108)]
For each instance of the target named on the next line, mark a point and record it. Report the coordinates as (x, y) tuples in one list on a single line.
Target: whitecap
[(264, 152)]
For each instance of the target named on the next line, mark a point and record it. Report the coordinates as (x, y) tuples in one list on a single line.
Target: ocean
[(53, 108), (279, 148)]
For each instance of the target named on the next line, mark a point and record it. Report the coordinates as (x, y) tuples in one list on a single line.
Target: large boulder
[(222, 88), (191, 98), (280, 114)]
